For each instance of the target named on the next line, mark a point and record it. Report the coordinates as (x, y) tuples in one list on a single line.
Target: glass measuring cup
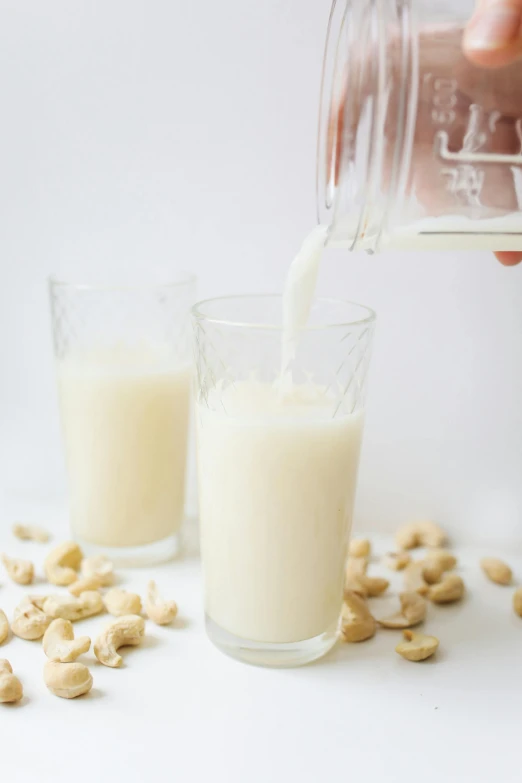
[(418, 148)]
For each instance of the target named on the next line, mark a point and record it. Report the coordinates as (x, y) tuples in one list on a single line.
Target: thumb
[(493, 37)]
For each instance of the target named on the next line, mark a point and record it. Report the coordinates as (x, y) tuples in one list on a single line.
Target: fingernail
[(494, 28)]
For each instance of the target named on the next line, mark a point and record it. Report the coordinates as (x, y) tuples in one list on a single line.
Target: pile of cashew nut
[(50, 617), (431, 579)]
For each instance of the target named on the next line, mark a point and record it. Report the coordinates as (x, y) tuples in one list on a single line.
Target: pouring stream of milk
[(298, 296)]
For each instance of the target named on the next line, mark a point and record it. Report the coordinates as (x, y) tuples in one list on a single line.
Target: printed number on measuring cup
[(444, 100)]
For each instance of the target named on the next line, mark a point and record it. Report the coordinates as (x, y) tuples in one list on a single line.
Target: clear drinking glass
[(277, 467), (418, 148), (124, 369)]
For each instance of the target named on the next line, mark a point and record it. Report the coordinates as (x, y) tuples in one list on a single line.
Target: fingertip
[(509, 258), (491, 58), (493, 36)]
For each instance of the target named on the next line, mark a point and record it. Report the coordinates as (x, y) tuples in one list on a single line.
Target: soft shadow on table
[(39, 580), (17, 704), (94, 693), (190, 540), (149, 642), (343, 653), (178, 624)]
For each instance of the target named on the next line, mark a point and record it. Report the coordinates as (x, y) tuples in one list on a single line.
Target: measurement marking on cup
[(473, 157)]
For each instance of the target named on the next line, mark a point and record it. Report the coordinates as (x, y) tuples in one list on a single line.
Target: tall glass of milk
[(277, 453), (124, 370)]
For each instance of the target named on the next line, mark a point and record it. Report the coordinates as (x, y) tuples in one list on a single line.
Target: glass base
[(135, 556), (271, 655)]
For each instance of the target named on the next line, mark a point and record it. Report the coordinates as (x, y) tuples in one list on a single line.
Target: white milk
[(448, 232), (299, 292), (456, 232), (125, 419), (277, 479)]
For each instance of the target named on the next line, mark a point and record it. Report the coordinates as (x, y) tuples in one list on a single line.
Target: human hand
[(493, 39)]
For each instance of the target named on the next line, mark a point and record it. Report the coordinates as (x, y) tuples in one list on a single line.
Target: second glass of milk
[(277, 470), (124, 372)]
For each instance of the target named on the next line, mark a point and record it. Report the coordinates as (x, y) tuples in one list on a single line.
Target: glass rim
[(198, 313), (182, 279)]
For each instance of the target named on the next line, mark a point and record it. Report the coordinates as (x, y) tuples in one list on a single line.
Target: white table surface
[(180, 710)]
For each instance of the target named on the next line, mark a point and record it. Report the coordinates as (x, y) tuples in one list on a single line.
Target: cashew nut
[(432, 572), (397, 560), (357, 623), (30, 533), (420, 534), (446, 560), (4, 627), (29, 620), (10, 686), (99, 566), (160, 612), (417, 646), (36, 600), (67, 607), (85, 584), (517, 601), (62, 563), (375, 585), (67, 680), (420, 574), (496, 570), (359, 547), (357, 581), (414, 580), (20, 571), (450, 589), (354, 572), (412, 612), (121, 602), (126, 630), (59, 643)]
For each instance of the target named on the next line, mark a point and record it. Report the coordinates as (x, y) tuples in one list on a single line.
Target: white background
[(182, 134)]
